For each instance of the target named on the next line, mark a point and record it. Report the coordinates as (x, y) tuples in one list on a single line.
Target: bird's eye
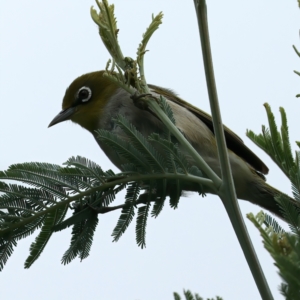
[(84, 94)]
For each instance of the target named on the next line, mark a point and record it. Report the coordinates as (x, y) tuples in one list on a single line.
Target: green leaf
[(123, 148), (40, 175), (156, 21), (273, 139), (82, 237), (141, 224), (6, 250), (172, 153), (290, 213), (153, 158), (127, 214), (25, 199), (44, 236), (167, 109), (86, 166), (194, 170), (175, 193), (270, 222), (258, 140), (108, 29), (285, 250), (160, 201), (287, 151), (87, 237), (23, 231), (176, 296), (188, 295), (275, 144)]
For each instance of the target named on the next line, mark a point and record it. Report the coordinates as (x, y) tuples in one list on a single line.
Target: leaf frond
[(6, 251), (44, 236), (86, 165), (290, 213), (153, 159), (160, 201), (82, 236), (172, 154), (141, 224), (123, 148), (127, 213)]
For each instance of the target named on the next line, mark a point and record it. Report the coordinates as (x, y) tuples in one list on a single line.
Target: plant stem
[(227, 190), (188, 147), (106, 185)]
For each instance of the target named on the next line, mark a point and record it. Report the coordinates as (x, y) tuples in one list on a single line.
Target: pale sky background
[(47, 44)]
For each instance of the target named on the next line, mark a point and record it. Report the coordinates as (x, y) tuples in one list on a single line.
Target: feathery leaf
[(141, 224), (6, 251), (160, 201), (127, 213), (82, 236), (138, 140), (44, 236)]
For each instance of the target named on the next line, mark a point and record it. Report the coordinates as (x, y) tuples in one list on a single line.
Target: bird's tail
[(265, 196)]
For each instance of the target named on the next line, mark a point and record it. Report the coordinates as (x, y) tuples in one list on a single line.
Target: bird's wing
[(233, 141)]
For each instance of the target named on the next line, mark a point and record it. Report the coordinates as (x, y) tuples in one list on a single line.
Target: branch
[(227, 190), (104, 210), (104, 186)]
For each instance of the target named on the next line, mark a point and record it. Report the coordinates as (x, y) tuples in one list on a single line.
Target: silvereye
[(93, 101)]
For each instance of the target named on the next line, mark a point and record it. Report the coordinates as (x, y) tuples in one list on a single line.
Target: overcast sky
[(47, 44)]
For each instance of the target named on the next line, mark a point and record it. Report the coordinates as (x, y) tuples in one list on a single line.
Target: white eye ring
[(84, 94)]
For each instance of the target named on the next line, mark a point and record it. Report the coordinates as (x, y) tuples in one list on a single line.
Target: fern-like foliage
[(128, 211), (284, 247), (298, 53), (82, 238), (154, 165), (141, 223), (50, 220), (277, 145), (188, 295), (152, 158)]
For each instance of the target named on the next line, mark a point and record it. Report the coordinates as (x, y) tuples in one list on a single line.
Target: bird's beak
[(62, 116)]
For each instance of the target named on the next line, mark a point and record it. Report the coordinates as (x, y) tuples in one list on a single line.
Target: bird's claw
[(139, 101)]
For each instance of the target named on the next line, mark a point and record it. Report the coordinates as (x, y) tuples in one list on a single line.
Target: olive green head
[(85, 100)]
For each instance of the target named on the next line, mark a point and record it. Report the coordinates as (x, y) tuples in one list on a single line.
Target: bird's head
[(85, 100)]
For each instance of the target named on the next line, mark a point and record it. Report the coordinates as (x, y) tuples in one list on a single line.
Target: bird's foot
[(139, 101)]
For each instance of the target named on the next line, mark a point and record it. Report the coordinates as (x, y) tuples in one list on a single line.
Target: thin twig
[(104, 210)]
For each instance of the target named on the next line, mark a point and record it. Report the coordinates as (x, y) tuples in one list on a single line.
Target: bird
[(93, 101)]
